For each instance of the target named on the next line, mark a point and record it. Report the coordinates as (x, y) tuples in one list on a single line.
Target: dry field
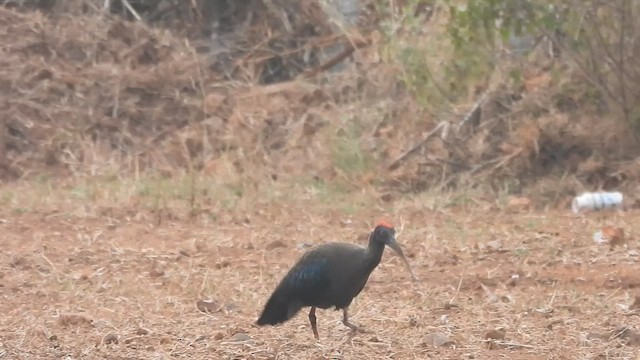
[(148, 268), (112, 279)]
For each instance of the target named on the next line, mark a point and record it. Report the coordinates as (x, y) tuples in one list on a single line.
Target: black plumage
[(329, 275)]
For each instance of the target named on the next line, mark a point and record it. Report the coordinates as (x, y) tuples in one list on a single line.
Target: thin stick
[(394, 165), (512, 344), (204, 282), (464, 270), (351, 47), (132, 10), (53, 267)]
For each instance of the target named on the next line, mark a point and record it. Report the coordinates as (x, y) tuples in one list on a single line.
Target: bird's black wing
[(310, 277), (306, 284)]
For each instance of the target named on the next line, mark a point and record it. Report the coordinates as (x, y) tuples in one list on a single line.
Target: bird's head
[(385, 233)]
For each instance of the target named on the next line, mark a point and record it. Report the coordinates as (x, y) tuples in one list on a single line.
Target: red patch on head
[(384, 224)]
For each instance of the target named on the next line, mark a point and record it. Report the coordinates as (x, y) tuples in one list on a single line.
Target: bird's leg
[(345, 321), (312, 320)]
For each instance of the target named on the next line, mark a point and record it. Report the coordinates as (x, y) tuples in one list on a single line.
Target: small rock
[(241, 337), (386, 197), (207, 306), (437, 339), (218, 336), (156, 270), (110, 338), (513, 280), (202, 337), (275, 245), (496, 334), (142, 331), (222, 264), (449, 306), (74, 320), (494, 245)]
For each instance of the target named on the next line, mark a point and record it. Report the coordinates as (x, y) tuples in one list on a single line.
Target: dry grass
[(94, 95), (87, 278)]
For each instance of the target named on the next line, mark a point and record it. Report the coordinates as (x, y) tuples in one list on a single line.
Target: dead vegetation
[(97, 95)]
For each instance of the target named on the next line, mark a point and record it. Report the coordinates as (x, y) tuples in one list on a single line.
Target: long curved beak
[(393, 244)]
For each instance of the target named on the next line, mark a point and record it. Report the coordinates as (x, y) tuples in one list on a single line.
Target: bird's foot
[(355, 328)]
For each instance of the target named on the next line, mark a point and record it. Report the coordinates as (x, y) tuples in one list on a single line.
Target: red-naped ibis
[(329, 275)]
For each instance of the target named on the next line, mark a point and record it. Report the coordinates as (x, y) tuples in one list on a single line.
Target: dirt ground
[(88, 282)]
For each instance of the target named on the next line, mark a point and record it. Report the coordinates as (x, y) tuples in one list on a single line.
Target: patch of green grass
[(521, 252), (20, 210), (6, 197), (179, 188), (337, 194), (82, 192), (347, 153)]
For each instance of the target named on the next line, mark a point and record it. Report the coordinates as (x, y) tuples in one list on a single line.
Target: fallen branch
[(507, 344), (396, 163), (473, 115), (501, 161), (350, 49)]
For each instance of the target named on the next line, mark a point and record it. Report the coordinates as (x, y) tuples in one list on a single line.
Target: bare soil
[(91, 282)]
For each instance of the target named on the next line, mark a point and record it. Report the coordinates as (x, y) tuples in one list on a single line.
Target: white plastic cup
[(596, 201)]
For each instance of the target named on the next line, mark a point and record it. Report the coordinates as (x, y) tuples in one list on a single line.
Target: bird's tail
[(279, 309)]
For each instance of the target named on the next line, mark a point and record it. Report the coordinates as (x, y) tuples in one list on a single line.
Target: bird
[(329, 275)]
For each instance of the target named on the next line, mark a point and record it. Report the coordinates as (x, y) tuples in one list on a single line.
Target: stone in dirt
[(437, 339), (74, 320), (241, 337), (495, 334), (110, 338), (207, 306)]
